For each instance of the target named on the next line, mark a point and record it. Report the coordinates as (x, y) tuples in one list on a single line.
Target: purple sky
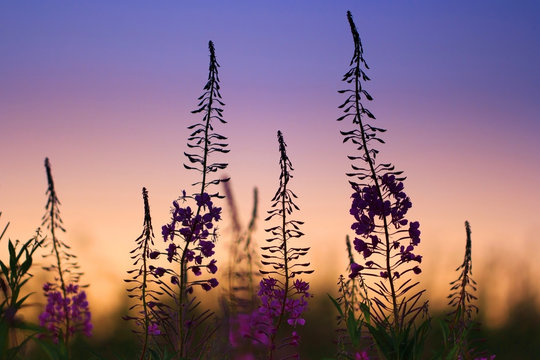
[(105, 90)]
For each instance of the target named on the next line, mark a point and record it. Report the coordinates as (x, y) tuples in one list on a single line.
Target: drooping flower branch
[(385, 238), (191, 233), (283, 298), (67, 308), (147, 298)]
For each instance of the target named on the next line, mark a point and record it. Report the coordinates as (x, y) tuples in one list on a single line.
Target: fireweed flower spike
[(283, 296), (67, 308), (460, 320), (191, 234), (145, 317), (384, 237)]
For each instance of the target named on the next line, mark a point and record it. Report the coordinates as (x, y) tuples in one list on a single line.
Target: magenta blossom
[(71, 311)]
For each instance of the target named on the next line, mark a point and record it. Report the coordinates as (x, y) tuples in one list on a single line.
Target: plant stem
[(358, 89)]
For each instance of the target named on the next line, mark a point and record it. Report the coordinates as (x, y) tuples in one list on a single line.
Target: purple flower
[(206, 286), (72, 310), (355, 270), (153, 329), (154, 254), (212, 266), (167, 231), (196, 270), (414, 232), (171, 251), (159, 271), (206, 248), (189, 255), (301, 286), (203, 200), (213, 214)]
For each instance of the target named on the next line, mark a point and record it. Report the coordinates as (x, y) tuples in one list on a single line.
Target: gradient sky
[(105, 90)]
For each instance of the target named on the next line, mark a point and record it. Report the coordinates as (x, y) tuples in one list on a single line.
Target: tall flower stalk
[(145, 318), (384, 237), (459, 322), (283, 298), (67, 308), (195, 227)]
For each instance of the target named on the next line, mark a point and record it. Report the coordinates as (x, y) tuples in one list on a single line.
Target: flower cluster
[(193, 228), (71, 311), (272, 296), (367, 206), (259, 326)]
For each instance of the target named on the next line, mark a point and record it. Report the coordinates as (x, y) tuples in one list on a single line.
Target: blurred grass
[(517, 338)]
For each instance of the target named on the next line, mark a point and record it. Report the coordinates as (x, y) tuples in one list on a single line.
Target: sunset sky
[(105, 89)]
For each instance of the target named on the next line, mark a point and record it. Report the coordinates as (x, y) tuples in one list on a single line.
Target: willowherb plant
[(67, 310), (384, 236), (353, 306), (460, 322), (283, 298), (191, 233), (147, 298)]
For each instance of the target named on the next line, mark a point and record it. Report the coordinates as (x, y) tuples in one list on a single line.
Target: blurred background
[(105, 91)]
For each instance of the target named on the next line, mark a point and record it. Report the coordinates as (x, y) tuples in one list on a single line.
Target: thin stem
[(146, 233)]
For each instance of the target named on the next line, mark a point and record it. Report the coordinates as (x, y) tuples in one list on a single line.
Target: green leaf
[(5, 269), (366, 311), (53, 351), (12, 257), (336, 304), (352, 328)]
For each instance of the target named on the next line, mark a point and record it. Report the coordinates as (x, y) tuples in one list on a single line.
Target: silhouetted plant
[(460, 324), (282, 297), (67, 310), (379, 207), (147, 298), (352, 305), (195, 228), (13, 277)]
